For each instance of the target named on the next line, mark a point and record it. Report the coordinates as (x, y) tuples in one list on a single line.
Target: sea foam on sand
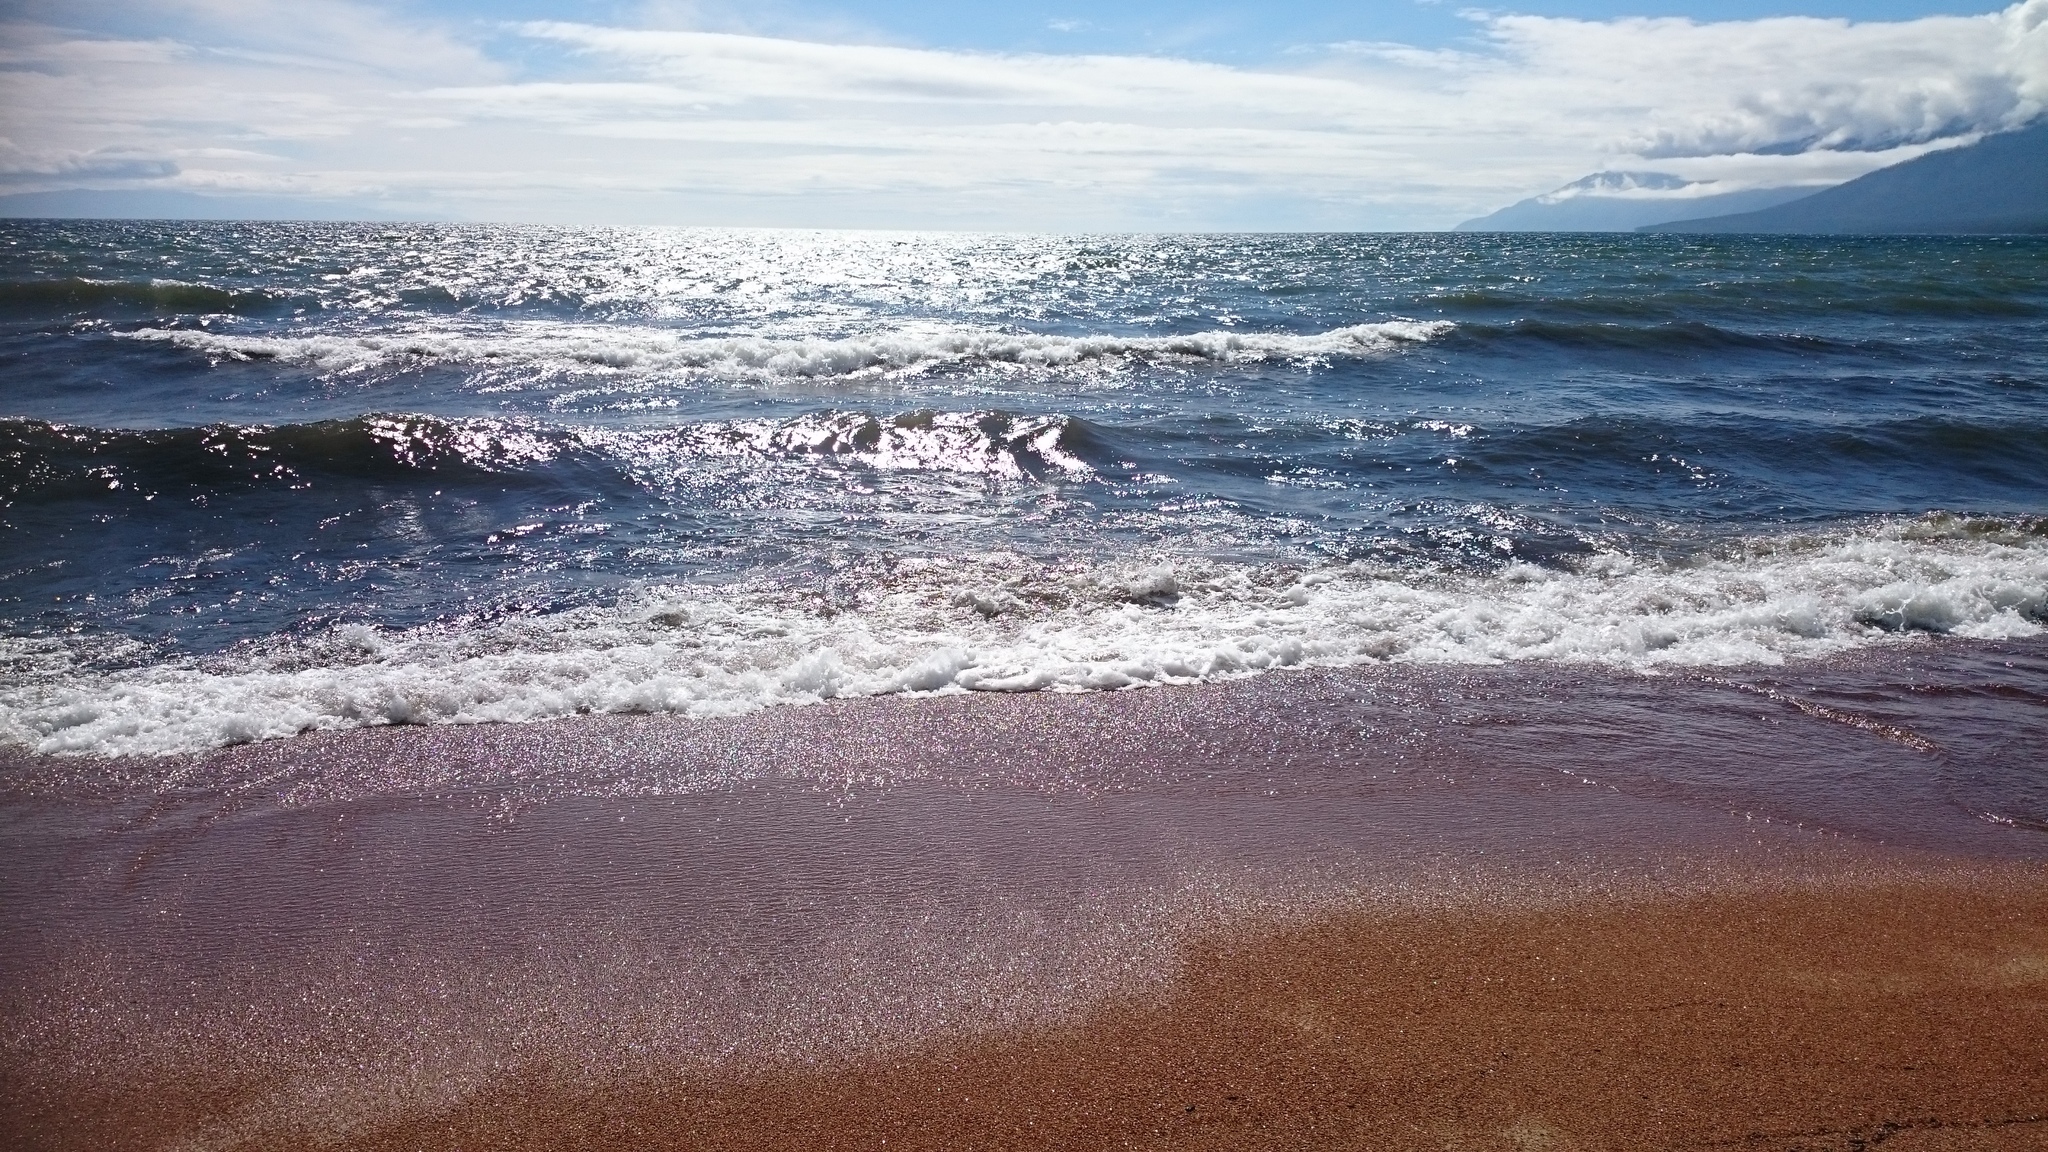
[(1005, 623)]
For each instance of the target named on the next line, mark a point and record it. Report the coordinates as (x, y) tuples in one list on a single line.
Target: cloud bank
[(575, 122)]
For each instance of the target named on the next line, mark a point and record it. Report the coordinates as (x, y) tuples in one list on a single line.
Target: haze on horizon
[(1384, 114)]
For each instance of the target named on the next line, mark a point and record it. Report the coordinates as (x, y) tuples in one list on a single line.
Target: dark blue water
[(257, 478)]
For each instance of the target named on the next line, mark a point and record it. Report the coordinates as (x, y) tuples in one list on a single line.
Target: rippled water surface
[(257, 479)]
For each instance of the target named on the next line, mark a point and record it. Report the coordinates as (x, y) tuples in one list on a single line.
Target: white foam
[(985, 443), (599, 348), (1003, 623)]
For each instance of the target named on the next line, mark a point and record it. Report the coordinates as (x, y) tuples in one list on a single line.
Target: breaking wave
[(558, 347), (54, 461), (1005, 623)]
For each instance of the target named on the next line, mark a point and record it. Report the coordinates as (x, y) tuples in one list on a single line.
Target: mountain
[(1622, 202), (1999, 184)]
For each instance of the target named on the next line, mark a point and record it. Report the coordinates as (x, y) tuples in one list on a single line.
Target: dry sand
[(1911, 1014)]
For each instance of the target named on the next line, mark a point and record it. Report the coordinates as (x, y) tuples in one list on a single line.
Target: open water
[(257, 479)]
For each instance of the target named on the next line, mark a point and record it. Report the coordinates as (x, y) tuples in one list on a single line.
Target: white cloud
[(331, 98), (1782, 83), (736, 69), (99, 164)]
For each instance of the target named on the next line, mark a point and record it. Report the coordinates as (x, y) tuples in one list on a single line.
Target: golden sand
[(1909, 1014)]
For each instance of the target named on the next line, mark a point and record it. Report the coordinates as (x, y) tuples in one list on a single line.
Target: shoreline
[(1856, 592), (1827, 744)]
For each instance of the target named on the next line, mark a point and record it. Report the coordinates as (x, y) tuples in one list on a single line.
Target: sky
[(1036, 115)]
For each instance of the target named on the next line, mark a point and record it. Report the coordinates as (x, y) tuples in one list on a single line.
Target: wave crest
[(582, 348), (77, 294), (56, 461)]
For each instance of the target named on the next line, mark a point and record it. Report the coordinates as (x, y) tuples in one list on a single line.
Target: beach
[(1906, 1011), (1241, 914)]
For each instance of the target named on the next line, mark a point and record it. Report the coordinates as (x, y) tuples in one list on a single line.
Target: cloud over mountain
[(1791, 83)]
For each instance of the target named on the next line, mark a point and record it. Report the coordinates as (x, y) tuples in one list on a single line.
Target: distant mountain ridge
[(1603, 202), (1997, 185)]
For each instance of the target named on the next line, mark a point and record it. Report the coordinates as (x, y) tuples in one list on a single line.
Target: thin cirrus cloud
[(577, 122)]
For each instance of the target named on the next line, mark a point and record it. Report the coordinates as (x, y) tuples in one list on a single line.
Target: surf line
[(1857, 720)]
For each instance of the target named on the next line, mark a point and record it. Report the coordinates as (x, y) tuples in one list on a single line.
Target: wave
[(68, 295), (1996, 449), (997, 444), (1978, 295), (1005, 623), (1671, 336), (59, 461), (56, 461), (574, 348), (42, 461)]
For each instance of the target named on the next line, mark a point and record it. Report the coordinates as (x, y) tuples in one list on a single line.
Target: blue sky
[(1212, 31), (1040, 114)]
